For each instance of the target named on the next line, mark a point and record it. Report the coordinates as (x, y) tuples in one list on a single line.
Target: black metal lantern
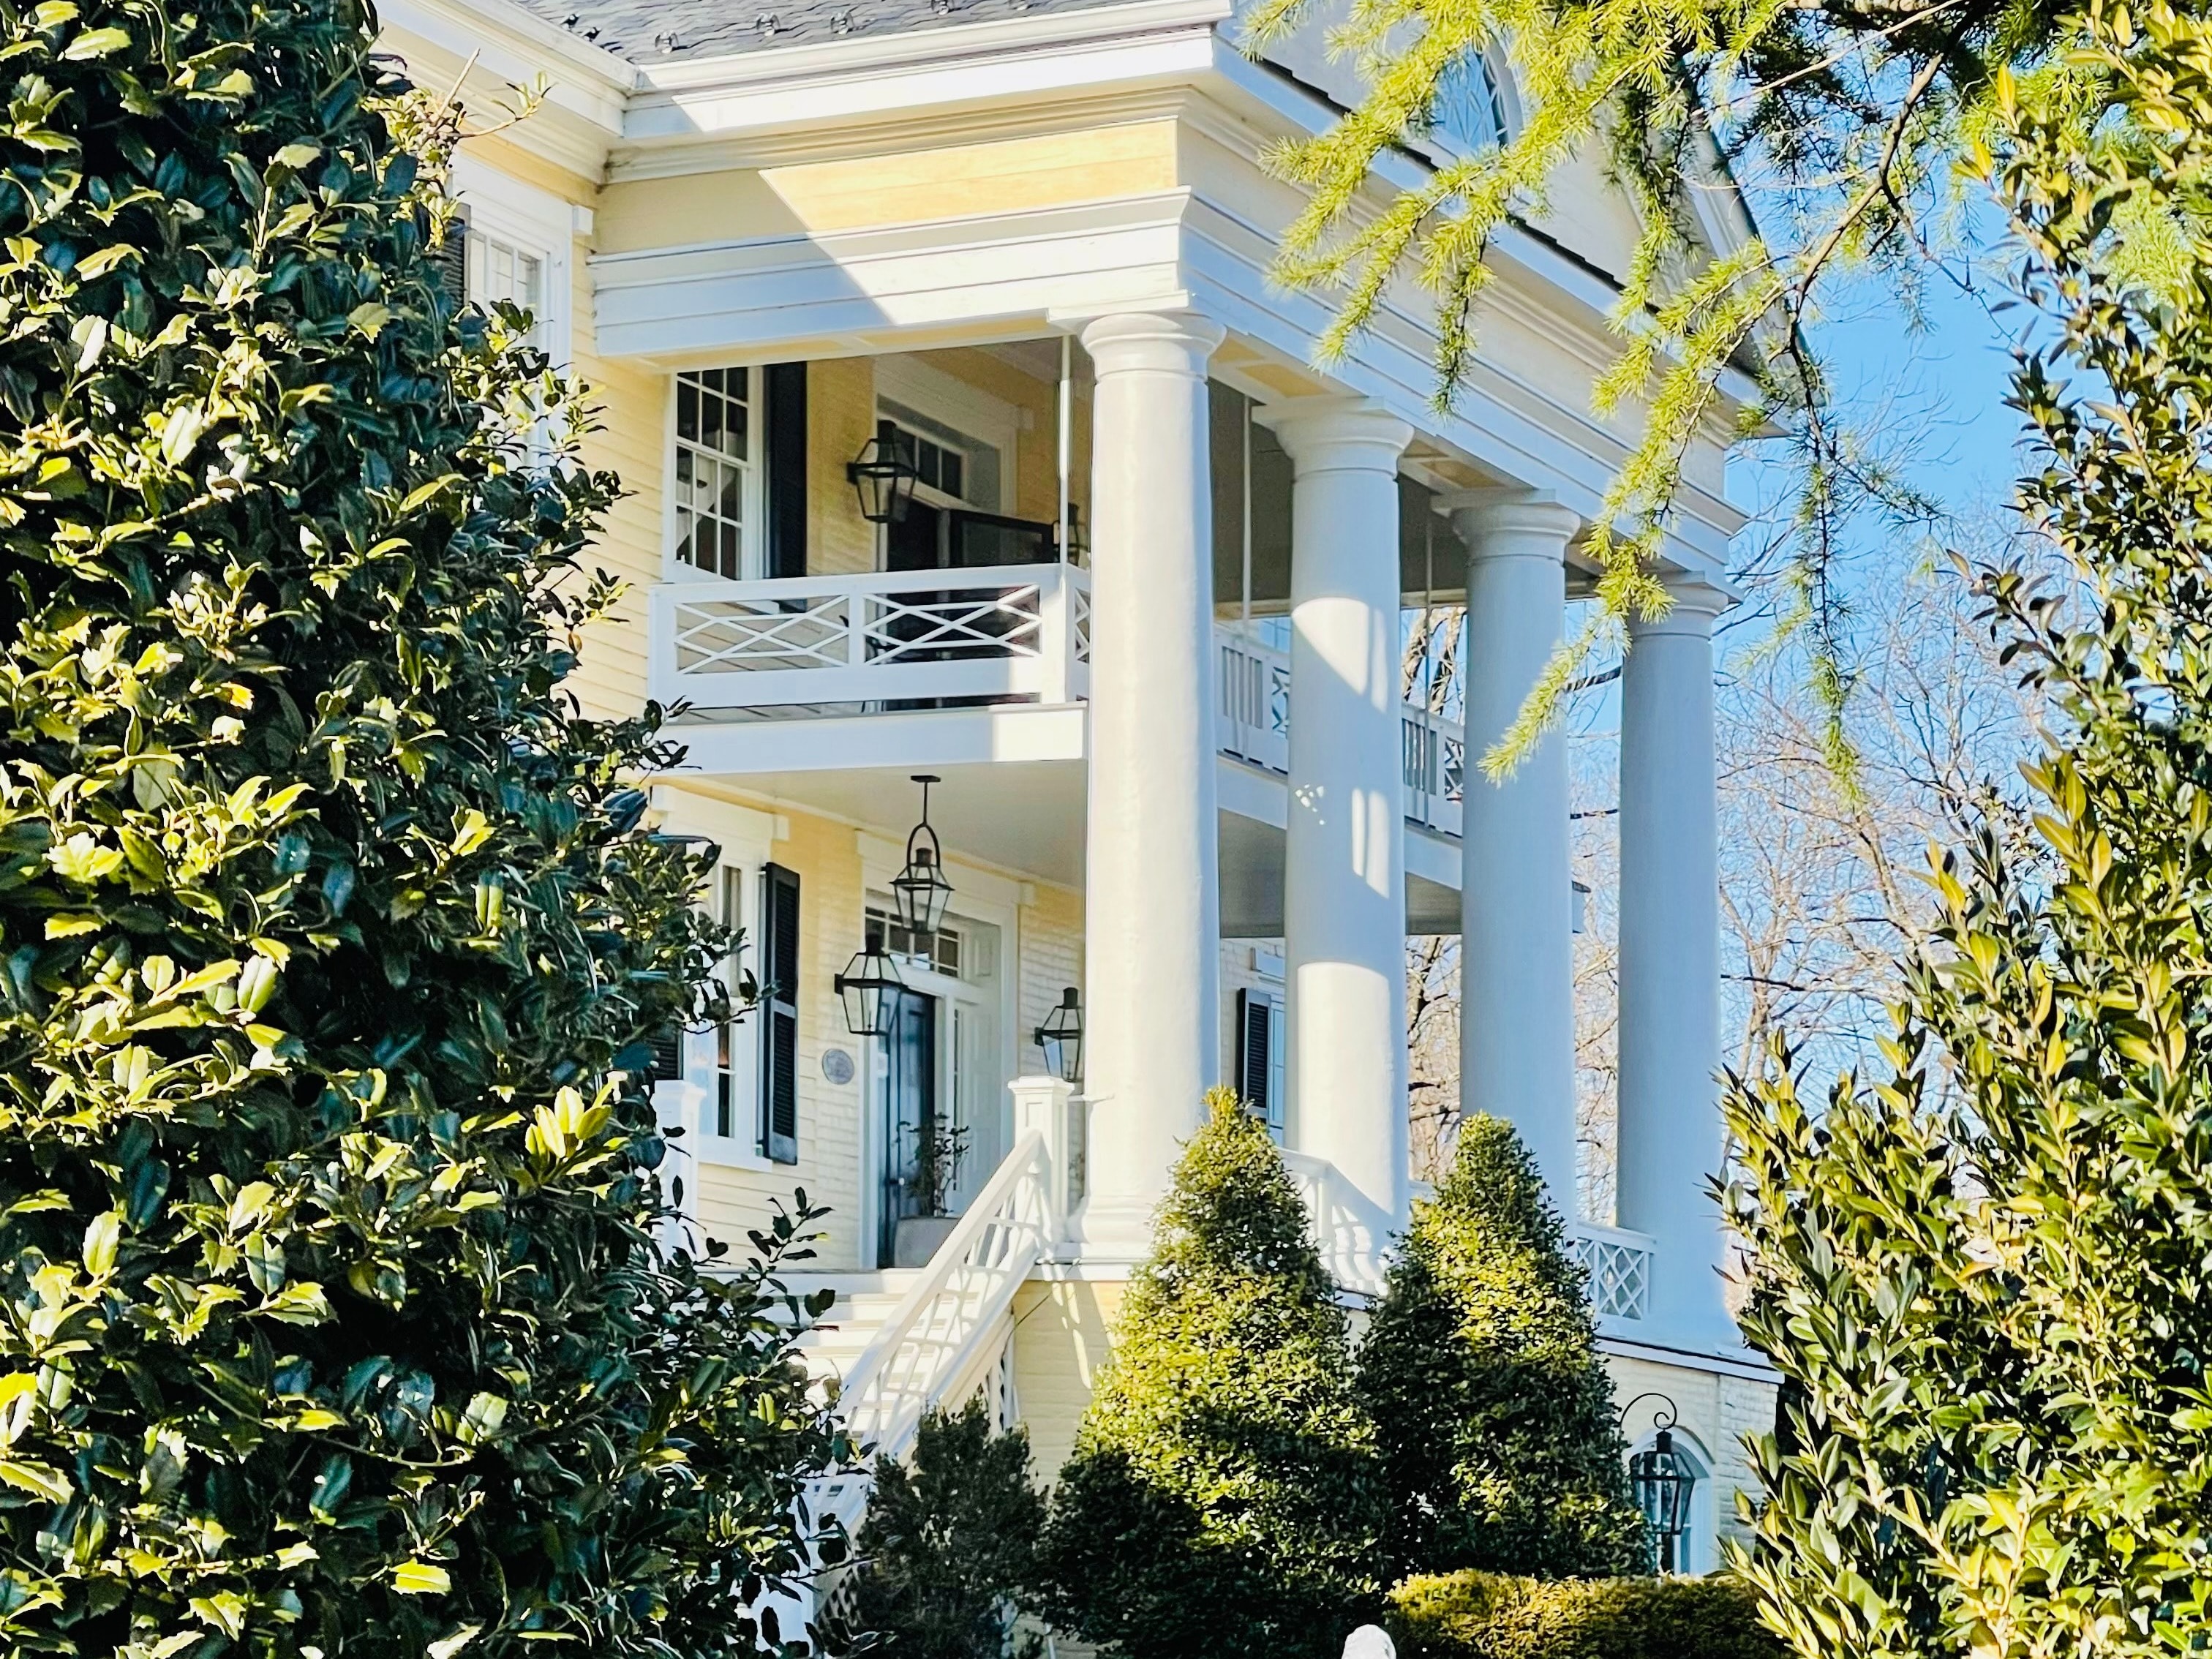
[(883, 479), (1662, 1480), (869, 988), (921, 888), (1061, 1036)]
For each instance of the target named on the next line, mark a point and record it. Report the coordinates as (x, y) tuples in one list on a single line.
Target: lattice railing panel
[(1619, 1269)]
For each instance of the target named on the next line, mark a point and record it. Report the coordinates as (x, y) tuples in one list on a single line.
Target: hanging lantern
[(883, 477), (869, 988), (1061, 1036), (1662, 1480), (921, 888)]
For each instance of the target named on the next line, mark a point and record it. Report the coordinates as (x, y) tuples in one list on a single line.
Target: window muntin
[(1469, 111), (716, 437), (500, 271), (940, 952), (956, 469)]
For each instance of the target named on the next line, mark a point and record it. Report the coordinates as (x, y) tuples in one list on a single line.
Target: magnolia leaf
[(421, 1578)]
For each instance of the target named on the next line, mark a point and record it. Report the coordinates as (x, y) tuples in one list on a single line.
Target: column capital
[(1337, 434), (1151, 342), (1505, 524), (1695, 602)]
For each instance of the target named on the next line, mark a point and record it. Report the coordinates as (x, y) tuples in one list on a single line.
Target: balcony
[(1253, 716), (893, 640), (889, 639)]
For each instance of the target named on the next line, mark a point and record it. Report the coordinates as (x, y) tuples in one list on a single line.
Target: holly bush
[(1984, 1270), (1221, 1501), (1499, 1444), (331, 1318)]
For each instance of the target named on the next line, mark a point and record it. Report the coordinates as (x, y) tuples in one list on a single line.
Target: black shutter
[(785, 387), (778, 994), (1259, 1057), (667, 1061), (451, 258)]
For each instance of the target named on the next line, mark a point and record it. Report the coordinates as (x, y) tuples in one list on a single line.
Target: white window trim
[(536, 221), (747, 838), (967, 409), (673, 570)]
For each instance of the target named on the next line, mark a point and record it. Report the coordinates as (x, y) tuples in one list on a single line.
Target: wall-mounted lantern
[(921, 888), (1061, 1036), (869, 988), (1662, 1480), (883, 477)]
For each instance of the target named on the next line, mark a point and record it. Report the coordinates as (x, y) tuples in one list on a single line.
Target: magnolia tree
[(1986, 1270), (331, 1316)]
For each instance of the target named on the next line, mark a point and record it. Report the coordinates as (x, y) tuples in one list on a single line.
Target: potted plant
[(940, 1149)]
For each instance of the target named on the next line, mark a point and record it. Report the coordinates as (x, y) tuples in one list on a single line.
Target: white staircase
[(898, 1343)]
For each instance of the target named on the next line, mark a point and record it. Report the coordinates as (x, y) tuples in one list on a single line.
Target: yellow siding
[(1052, 959), (954, 182), (840, 417), (1060, 1343)]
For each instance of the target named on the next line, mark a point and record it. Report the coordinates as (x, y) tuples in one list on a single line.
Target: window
[(779, 1003), (957, 467), (724, 1094), (1469, 112), (715, 437), (1260, 1057), (501, 271), (940, 952)]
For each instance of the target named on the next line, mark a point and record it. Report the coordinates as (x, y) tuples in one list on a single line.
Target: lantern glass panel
[(866, 988)]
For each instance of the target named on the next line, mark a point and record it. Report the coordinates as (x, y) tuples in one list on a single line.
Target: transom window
[(716, 435), (954, 468), (939, 951), (499, 272)]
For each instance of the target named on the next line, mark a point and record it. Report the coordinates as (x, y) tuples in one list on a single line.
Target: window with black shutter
[(1260, 1057), (779, 1004), (452, 258), (785, 463)]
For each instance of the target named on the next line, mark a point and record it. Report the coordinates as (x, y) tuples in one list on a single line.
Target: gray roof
[(669, 31)]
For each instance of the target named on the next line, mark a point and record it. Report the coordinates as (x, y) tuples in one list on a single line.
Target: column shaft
[(1344, 877), (1517, 962), (1670, 1137), (1152, 908)]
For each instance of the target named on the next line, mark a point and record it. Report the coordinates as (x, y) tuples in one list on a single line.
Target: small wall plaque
[(837, 1066)]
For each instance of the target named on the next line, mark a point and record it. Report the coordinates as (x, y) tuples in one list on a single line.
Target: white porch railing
[(1353, 1234), (1006, 631), (1252, 693), (1618, 1263)]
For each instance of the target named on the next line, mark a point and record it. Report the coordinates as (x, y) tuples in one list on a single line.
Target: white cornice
[(1006, 62)]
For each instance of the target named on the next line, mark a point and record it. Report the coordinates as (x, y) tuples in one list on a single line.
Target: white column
[(1152, 899), (1669, 1137), (1516, 1041), (1344, 872)]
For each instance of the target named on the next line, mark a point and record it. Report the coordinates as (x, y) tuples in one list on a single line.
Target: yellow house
[(965, 439)]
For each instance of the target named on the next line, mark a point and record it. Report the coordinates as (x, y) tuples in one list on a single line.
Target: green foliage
[(1221, 1498), (950, 1542), (333, 1320), (1846, 117), (1494, 1419), (1480, 1615), (1986, 1272)]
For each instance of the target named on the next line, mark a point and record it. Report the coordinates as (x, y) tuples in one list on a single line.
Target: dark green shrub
[(950, 1542), (1984, 1264), (1480, 1615), (1221, 1499), (1494, 1417), (328, 935)]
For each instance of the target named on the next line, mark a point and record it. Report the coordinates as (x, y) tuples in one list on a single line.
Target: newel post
[(1047, 1104)]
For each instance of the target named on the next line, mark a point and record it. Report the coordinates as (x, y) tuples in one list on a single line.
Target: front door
[(909, 1116)]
